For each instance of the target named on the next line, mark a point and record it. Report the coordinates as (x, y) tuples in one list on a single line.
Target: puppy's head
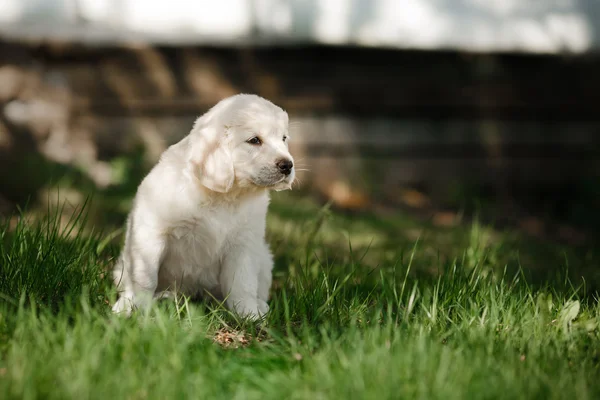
[(242, 141)]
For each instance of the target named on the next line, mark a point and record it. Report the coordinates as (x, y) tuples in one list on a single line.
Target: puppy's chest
[(203, 239)]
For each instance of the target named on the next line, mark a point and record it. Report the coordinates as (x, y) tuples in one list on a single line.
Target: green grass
[(360, 309)]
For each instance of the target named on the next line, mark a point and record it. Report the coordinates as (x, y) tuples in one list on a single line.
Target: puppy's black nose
[(285, 166)]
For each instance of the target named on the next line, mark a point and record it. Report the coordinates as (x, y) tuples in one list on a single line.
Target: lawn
[(363, 306)]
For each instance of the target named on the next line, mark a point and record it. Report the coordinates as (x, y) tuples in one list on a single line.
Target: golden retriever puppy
[(198, 219)]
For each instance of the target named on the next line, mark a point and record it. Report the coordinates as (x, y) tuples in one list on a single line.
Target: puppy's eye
[(285, 138), (255, 141)]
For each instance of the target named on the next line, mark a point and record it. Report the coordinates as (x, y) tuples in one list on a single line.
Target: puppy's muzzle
[(285, 166)]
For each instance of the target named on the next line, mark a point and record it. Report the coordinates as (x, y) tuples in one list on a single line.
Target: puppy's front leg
[(265, 273), (142, 256), (239, 281)]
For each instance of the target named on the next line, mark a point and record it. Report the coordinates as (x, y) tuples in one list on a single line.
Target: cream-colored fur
[(198, 218)]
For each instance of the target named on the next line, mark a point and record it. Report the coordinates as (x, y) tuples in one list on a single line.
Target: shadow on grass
[(49, 262), (396, 240), (308, 238)]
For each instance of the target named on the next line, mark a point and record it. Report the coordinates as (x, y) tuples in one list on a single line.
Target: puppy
[(198, 220)]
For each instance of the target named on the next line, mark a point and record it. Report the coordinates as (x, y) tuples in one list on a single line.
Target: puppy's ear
[(211, 159), (216, 172)]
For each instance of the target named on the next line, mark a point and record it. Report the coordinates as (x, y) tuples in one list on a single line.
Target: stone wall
[(367, 123)]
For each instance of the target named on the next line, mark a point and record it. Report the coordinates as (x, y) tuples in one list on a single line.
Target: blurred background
[(439, 109)]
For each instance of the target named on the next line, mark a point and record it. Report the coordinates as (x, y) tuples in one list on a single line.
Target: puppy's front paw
[(129, 302), (253, 309), (123, 306), (263, 307)]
